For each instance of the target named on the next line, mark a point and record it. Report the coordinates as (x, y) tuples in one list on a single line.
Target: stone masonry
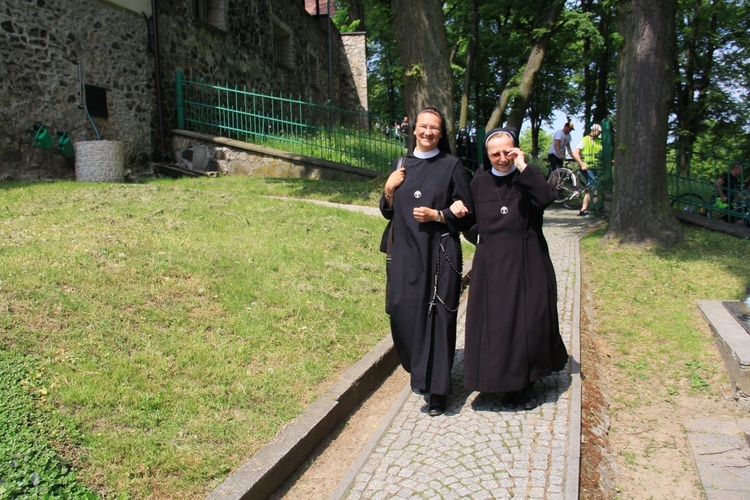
[(43, 43)]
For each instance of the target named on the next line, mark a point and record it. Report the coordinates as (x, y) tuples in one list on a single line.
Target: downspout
[(157, 80), (330, 64)]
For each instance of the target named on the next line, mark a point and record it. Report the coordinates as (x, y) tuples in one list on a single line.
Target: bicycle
[(568, 163), (571, 185)]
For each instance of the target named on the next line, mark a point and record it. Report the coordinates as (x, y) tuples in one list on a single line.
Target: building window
[(212, 12), (282, 47)]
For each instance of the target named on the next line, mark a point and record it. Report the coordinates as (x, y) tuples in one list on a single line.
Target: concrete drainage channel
[(273, 464), (267, 470)]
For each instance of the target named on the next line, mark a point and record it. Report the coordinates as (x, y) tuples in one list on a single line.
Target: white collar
[(427, 155), (498, 173)]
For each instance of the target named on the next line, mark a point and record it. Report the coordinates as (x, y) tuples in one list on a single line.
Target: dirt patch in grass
[(634, 442)]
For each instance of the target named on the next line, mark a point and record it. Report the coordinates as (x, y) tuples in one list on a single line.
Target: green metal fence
[(697, 192), (292, 125)]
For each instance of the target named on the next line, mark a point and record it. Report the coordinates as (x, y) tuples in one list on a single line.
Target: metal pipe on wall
[(157, 80)]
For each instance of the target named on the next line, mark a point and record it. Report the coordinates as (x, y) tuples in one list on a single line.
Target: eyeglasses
[(498, 154), (427, 127)]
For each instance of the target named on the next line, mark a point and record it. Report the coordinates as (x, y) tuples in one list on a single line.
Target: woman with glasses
[(512, 331), (428, 203)]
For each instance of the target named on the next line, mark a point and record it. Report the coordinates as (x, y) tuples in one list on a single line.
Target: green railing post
[(178, 98), (607, 150), (480, 148)]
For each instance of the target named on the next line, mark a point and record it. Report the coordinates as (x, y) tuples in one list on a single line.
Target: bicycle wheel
[(565, 183), (690, 203)]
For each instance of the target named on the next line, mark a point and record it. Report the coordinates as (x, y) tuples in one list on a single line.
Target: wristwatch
[(439, 216)]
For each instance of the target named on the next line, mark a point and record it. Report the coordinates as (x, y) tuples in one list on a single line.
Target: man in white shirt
[(560, 142)]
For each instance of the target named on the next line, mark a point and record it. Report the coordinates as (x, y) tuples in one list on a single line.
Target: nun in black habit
[(428, 203), (512, 330)]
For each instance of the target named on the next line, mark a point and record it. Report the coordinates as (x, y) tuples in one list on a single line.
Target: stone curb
[(573, 460), (274, 463), (267, 470)]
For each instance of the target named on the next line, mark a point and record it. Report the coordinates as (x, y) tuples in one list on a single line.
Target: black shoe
[(528, 400), (583, 212), (436, 405), (511, 399)]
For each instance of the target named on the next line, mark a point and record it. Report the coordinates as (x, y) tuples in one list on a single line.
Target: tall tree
[(599, 65), (712, 65), (420, 35), (641, 211), (384, 68), (520, 93), (469, 69)]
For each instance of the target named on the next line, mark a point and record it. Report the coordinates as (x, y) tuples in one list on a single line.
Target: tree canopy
[(522, 62)]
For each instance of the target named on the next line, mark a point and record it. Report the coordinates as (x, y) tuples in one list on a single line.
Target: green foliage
[(384, 70), (526, 144), (343, 23), (579, 72), (713, 59), (29, 429)]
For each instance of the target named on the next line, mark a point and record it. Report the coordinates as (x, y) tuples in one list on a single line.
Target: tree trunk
[(522, 93), (464, 113), (420, 36), (356, 9), (526, 85), (641, 213)]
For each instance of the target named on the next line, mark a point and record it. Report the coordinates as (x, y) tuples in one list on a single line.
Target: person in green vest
[(588, 152)]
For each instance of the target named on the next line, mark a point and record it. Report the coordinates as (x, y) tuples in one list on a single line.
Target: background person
[(560, 142), (728, 190), (512, 330), (405, 129), (588, 150), (428, 204)]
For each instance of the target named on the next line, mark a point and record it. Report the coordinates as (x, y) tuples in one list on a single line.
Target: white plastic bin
[(100, 161)]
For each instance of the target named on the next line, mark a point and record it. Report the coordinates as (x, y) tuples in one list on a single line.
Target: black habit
[(512, 330), (426, 268)]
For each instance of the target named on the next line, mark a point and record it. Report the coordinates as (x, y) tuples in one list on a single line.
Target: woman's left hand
[(459, 209), (424, 214)]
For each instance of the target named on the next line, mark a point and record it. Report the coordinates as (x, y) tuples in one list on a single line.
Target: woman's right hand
[(395, 180)]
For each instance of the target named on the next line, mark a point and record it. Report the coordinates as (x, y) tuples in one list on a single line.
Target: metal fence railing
[(292, 125), (693, 187)]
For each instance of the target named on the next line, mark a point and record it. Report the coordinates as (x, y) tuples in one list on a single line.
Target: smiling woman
[(428, 204), (512, 330)]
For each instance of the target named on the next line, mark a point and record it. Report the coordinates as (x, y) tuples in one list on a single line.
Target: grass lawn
[(153, 336), (650, 364), (645, 303), (157, 334)]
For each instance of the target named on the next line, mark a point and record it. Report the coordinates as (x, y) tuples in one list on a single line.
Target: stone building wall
[(263, 45), (355, 85), (40, 43)]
